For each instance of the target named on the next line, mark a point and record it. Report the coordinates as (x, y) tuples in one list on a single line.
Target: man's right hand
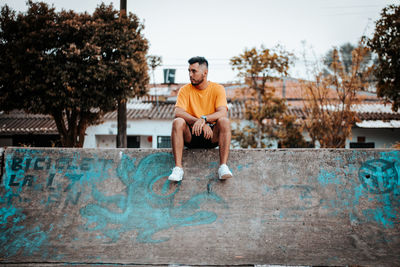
[(198, 127), (208, 132)]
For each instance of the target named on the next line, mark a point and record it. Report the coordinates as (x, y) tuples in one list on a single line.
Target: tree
[(262, 108), (154, 62), (386, 44), (72, 66), (290, 133), (344, 53), (329, 99)]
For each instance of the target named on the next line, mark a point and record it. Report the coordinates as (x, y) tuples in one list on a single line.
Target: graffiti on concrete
[(377, 183), (49, 182), (57, 197), (59, 179), (378, 176), (74, 186), (143, 208)]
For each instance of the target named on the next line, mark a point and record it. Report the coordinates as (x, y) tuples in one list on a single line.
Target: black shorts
[(200, 141)]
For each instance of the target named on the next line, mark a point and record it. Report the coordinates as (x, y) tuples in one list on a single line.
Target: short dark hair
[(200, 60)]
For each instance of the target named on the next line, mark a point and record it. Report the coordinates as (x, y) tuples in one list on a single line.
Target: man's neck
[(202, 86)]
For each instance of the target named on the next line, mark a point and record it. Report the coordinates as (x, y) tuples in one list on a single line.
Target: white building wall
[(104, 135), (382, 137), (104, 141)]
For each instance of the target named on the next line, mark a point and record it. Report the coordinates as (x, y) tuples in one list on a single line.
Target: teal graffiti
[(17, 236), (143, 210), (378, 176), (385, 214), (377, 182), (326, 178)]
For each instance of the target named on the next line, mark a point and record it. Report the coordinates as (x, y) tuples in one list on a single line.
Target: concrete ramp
[(115, 206)]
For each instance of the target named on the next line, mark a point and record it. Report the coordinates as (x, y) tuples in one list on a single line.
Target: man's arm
[(181, 113), (199, 126), (219, 113), (198, 123)]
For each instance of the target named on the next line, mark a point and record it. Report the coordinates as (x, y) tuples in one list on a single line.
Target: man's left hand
[(197, 128), (208, 132)]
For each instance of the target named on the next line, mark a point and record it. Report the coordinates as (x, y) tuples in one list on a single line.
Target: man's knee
[(178, 124), (224, 123)]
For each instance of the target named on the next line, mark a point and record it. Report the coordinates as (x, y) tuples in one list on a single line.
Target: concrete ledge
[(115, 206)]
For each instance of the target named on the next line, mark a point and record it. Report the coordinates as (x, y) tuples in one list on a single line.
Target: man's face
[(197, 73)]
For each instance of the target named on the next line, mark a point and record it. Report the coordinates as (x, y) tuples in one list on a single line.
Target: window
[(164, 142), (361, 143), (308, 145), (133, 141)]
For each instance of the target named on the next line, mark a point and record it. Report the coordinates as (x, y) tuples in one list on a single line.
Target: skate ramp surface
[(115, 206)]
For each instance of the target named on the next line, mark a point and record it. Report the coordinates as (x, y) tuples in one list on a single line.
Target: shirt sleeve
[(182, 99), (221, 98)]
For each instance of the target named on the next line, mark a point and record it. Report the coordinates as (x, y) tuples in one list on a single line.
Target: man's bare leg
[(179, 134), (222, 135)]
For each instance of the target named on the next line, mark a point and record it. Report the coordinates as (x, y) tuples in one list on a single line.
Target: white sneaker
[(224, 172), (176, 175)]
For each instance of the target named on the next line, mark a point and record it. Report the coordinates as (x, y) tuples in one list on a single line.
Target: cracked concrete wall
[(115, 206)]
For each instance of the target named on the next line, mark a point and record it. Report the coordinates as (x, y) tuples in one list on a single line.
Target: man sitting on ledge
[(201, 119)]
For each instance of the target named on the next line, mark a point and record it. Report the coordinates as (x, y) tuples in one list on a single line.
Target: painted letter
[(28, 180), (85, 164), (16, 164), (50, 179), (36, 166), (27, 164), (12, 183)]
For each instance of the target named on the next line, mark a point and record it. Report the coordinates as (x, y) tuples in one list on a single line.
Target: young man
[(201, 119)]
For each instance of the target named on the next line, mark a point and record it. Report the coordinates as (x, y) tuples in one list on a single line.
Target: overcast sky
[(221, 29)]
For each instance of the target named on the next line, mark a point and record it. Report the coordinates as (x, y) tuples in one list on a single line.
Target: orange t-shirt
[(198, 102)]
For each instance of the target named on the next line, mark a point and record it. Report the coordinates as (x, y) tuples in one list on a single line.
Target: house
[(149, 121), (20, 129), (148, 126)]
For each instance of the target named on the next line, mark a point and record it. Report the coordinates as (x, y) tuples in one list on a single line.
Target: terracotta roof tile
[(18, 122), (291, 89)]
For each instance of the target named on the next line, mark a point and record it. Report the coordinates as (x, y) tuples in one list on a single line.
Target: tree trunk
[(259, 132), (82, 129), (61, 128), (121, 135), (259, 135), (74, 135)]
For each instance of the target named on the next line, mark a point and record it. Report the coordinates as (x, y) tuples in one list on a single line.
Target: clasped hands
[(201, 126)]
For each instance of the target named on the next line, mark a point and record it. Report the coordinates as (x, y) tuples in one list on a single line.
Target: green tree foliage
[(73, 66), (386, 44), (263, 109)]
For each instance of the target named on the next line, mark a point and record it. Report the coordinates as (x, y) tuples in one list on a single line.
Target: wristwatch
[(204, 118)]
